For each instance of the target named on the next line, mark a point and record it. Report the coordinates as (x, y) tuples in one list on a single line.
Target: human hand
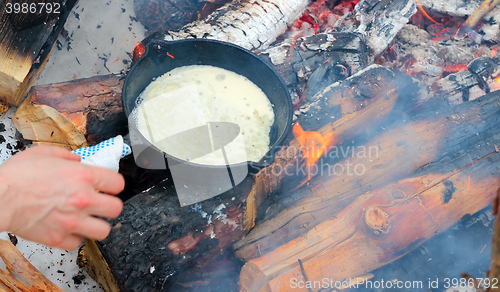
[(48, 196)]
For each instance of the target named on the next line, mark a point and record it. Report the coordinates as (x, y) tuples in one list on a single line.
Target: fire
[(138, 51), (421, 9), (313, 144), (498, 79)]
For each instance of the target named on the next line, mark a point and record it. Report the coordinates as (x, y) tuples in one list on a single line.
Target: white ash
[(278, 54), (429, 59), (252, 24), (379, 26)]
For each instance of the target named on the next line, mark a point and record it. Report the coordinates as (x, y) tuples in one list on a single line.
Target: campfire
[(395, 139)]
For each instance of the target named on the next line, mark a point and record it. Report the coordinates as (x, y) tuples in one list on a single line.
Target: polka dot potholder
[(106, 154)]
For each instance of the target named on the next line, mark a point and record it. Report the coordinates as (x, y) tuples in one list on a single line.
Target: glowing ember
[(494, 52), (421, 9), (454, 68), (498, 79), (138, 51), (313, 144)]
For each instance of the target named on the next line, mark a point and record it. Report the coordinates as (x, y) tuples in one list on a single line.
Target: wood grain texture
[(21, 275), (458, 175)]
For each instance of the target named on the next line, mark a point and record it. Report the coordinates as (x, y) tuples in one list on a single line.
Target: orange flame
[(313, 144), (425, 13), (498, 79)]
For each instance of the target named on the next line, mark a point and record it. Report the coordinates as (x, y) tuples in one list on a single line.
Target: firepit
[(391, 165)]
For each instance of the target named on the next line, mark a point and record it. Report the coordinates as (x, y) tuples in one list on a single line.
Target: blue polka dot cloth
[(106, 154)]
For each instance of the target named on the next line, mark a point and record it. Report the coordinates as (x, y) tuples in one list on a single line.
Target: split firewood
[(71, 113), (90, 257), (252, 24), (37, 122), (21, 33), (21, 275), (377, 228)]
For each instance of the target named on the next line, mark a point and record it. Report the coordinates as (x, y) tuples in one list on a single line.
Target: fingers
[(106, 181), (94, 228), (70, 242), (53, 151), (96, 204)]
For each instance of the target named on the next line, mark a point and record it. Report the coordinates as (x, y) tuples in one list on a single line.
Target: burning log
[(494, 272), (374, 229), (26, 32), (480, 78), (250, 24), (344, 110), (21, 275), (377, 21), (311, 63), (292, 215)]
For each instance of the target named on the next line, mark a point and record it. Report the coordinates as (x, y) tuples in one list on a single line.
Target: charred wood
[(291, 215), (159, 16), (311, 63), (377, 21), (479, 79), (26, 41), (368, 233), (155, 240)]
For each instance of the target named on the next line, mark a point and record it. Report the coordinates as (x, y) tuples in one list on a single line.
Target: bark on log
[(63, 113), (26, 41), (21, 275)]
